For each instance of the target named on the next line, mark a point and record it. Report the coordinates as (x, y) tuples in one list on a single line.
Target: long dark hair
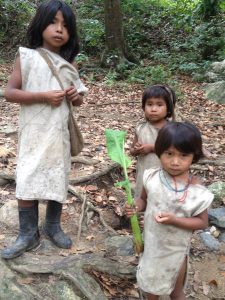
[(184, 136), (43, 17)]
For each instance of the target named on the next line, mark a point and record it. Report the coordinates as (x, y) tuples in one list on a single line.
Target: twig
[(81, 217), (90, 206)]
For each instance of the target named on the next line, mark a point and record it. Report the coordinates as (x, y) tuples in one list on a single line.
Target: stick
[(81, 217), (90, 206)]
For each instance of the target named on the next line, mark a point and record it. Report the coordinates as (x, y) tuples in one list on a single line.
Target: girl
[(175, 204), (44, 144), (158, 104)]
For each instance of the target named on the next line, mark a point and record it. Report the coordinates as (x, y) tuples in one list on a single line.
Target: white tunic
[(165, 246), (146, 134), (43, 162)]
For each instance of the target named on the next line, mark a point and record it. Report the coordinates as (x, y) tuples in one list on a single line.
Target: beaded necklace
[(166, 182)]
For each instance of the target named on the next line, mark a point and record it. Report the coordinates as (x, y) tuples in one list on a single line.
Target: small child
[(43, 162), (158, 104), (175, 205)]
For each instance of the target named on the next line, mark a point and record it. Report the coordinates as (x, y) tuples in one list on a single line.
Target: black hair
[(184, 136), (43, 17), (161, 91)]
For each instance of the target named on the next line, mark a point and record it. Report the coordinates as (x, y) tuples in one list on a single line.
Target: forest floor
[(119, 107)]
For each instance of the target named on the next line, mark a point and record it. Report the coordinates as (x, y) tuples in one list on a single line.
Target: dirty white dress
[(166, 246), (43, 162), (146, 134)]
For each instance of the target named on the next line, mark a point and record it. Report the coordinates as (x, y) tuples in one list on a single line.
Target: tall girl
[(158, 104), (43, 163), (175, 204)]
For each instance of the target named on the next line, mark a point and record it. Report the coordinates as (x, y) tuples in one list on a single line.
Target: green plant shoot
[(115, 140)]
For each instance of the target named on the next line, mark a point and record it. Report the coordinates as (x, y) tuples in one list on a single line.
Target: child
[(44, 143), (175, 205), (158, 104)]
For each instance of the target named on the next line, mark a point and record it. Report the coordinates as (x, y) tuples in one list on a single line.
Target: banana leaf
[(115, 140)]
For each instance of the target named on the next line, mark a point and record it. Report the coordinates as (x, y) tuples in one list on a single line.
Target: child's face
[(176, 163), (55, 34), (155, 109)]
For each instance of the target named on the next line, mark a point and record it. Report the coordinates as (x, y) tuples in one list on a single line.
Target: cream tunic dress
[(146, 134), (43, 162), (165, 246)]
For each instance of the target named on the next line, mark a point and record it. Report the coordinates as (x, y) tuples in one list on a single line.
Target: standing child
[(43, 163), (158, 104), (175, 205)]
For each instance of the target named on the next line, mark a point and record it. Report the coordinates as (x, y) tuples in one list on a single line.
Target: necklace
[(166, 182)]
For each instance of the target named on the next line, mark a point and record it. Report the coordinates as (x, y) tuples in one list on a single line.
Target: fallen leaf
[(213, 282)]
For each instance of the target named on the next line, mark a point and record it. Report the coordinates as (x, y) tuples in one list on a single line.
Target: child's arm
[(193, 223), (13, 92), (139, 205)]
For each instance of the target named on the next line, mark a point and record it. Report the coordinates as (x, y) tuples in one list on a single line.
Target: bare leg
[(151, 296), (25, 203), (178, 292)]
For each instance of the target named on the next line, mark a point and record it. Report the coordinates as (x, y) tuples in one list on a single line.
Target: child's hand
[(143, 148), (165, 218), (73, 96), (54, 98), (130, 210)]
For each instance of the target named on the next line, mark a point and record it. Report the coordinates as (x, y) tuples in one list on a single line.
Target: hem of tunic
[(39, 199)]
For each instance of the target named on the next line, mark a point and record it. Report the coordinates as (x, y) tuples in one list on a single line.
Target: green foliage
[(93, 33), (115, 140), (14, 15), (174, 35)]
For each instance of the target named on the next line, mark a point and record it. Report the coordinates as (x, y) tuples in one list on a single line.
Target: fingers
[(130, 210)]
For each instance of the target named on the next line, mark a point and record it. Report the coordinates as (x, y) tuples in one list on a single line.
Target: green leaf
[(115, 140)]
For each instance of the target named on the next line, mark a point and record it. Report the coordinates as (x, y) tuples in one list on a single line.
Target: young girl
[(175, 204), (158, 104), (44, 143)]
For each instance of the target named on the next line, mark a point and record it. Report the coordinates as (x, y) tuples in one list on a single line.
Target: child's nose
[(175, 161), (59, 27)]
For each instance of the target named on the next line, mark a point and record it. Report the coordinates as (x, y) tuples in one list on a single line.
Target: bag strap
[(45, 56)]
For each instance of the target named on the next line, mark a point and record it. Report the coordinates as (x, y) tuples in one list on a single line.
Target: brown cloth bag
[(76, 138)]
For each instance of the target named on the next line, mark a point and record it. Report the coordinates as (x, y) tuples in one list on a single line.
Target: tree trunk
[(115, 45)]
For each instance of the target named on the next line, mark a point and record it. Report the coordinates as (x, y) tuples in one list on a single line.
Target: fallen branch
[(84, 160), (75, 181), (95, 175)]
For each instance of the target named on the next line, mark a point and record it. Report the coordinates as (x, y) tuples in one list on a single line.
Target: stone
[(210, 241), (218, 190), (9, 213), (217, 217), (119, 246)]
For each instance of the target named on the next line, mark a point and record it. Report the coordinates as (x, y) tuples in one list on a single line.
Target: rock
[(218, 190), (210, 241), (9, 213), (222, 237), (111, 218), (215, 90), (119, 246), (217, 217)]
